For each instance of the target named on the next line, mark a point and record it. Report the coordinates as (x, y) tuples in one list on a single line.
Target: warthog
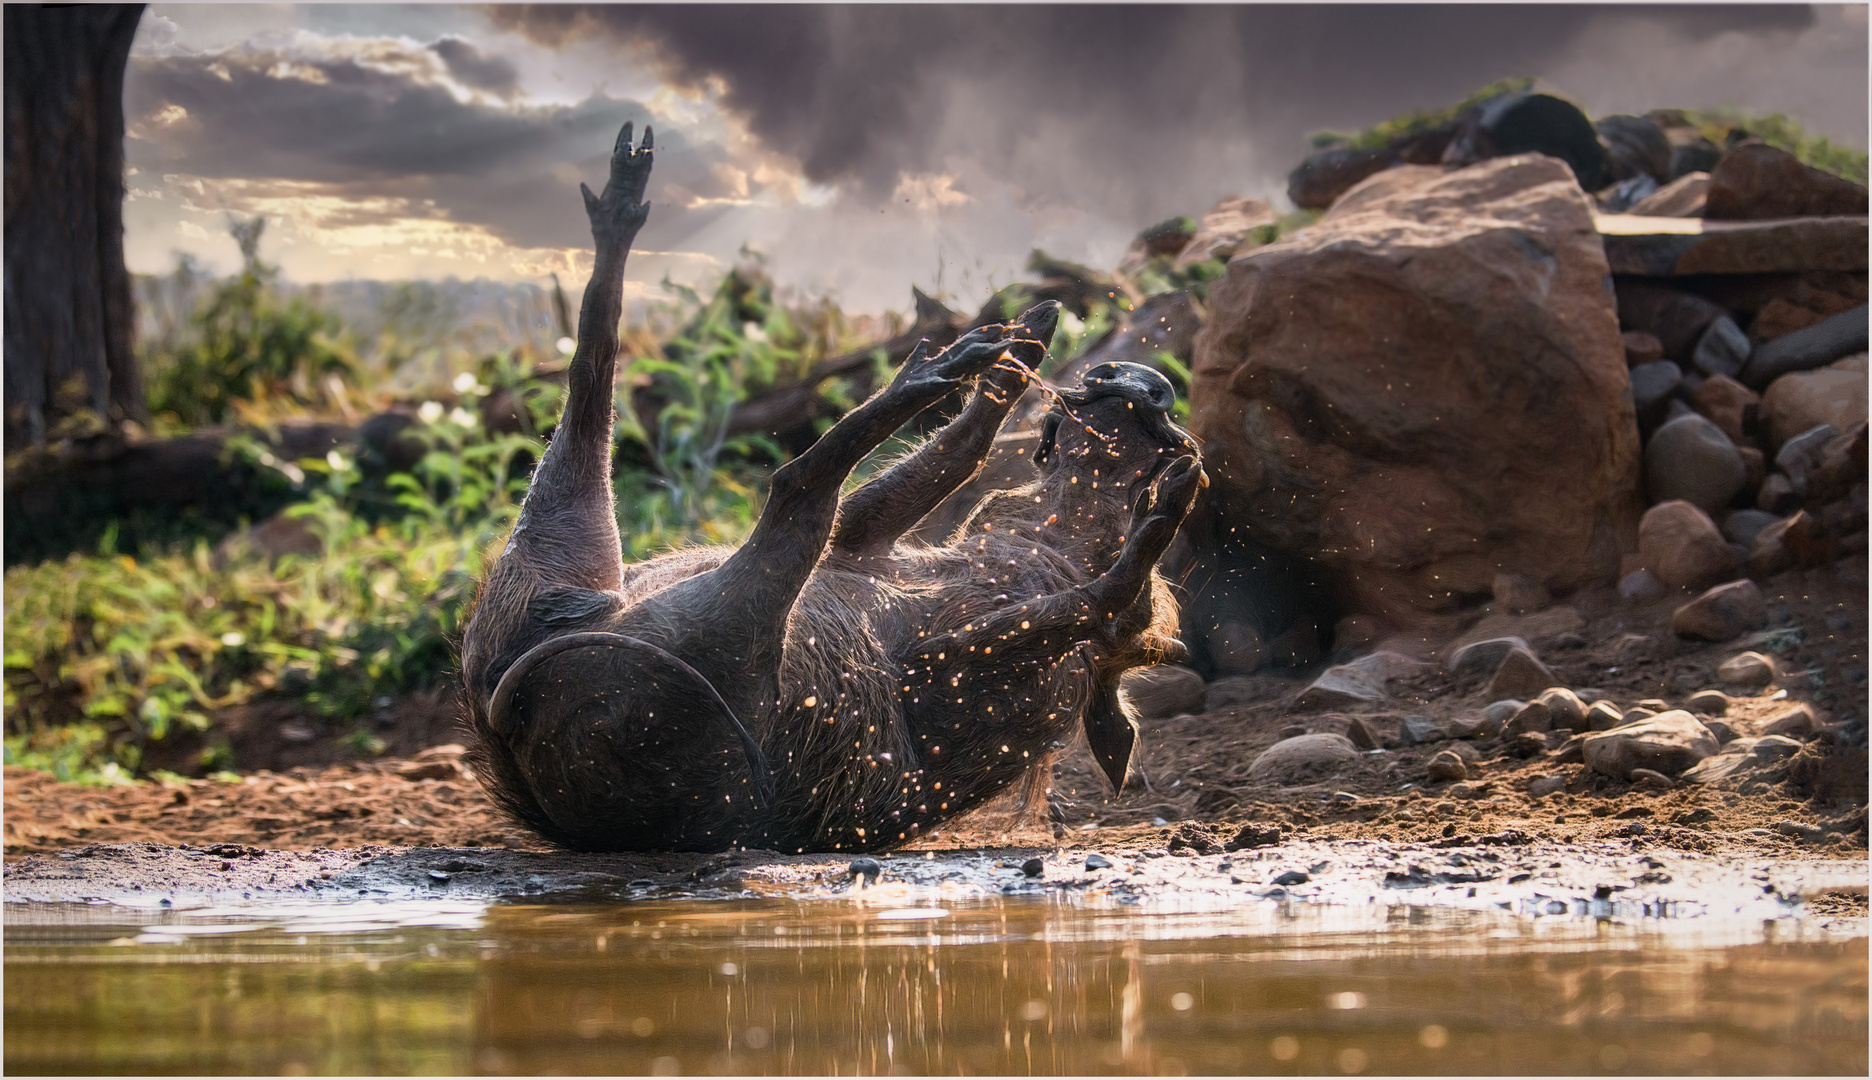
[(826, 685)]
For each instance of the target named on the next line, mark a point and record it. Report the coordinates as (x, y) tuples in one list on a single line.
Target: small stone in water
[(1096, 861), (439, 876), (1033, 867), (866, 868), (1292, 877)]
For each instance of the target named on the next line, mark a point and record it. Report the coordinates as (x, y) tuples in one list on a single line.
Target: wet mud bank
[(1505, 872)]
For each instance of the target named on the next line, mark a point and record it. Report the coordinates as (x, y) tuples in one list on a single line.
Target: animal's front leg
[(872, 518)]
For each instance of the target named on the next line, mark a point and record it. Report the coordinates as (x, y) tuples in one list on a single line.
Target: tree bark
[(69, 327)]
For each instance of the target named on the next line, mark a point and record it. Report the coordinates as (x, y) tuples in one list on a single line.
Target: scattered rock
[(1800, 831), (1604, 716), (1466, 751), (1527, 745), (1802, 401), (1503, 709), (1722, 350), (1797, 722), (1438, 511), (1292, 877), (1292, 761), (1641, 586), (1641, 347), (1416, 730), (1691, 459), (1651, 778), (1777, 495), (1521, 672), (1635, 714), (1635, 147), (1722, 613), (1652, 386), (1485, 655), (1756, 182), (1195, 838), (1564, 707), (1747, 669), (1033, 867), (863, 869), (1681, 545), (430, 770), (1164, 690), (1532, 717), (1708, 703), (1794, 542), (1742, 526), (1828, 340), (1361, 682), (1542, 786), (1729, 405), (1095, 861), (1529, 123), (1667, 743), (1446, 766), (1361, 734), (1683, 197)]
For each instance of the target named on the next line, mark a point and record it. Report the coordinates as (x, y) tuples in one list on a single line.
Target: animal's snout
[(1132, 381)]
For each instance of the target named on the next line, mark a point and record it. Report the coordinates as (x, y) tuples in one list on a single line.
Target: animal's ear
[(1111, 732), (1049, 434)]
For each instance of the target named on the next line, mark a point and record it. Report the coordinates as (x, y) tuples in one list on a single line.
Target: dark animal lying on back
[(825, 685)]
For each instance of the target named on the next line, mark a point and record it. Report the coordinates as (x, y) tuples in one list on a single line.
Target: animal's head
[(1116, 421)]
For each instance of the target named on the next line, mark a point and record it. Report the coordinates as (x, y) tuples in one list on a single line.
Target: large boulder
[(1424, 389), (1756, 181)]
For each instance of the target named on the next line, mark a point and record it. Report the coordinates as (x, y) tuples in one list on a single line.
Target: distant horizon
[(862, 151)]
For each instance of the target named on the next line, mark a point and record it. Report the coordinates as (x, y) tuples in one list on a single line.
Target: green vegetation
[(1723, 127), (1416, 122)]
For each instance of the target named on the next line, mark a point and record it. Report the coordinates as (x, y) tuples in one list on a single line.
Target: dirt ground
[(1191, 790)]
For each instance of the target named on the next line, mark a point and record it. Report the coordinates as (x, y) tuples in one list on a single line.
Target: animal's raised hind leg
[(568, 524), (872, 518)]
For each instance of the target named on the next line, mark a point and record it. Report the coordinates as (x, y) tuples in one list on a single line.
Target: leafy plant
[(250, 344)]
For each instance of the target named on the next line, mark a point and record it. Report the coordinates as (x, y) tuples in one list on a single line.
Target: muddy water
[(1019, 985)]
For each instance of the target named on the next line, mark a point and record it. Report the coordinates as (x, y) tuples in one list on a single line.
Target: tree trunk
[(69, 361)]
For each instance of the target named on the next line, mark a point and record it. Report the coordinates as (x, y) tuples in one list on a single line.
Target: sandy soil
[(1191, 795)]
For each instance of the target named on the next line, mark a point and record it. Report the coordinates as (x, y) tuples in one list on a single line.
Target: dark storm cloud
[(867, 92), (381, 129), (472, 67)]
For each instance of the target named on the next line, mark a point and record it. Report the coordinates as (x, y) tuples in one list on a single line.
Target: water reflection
[(831, 987)]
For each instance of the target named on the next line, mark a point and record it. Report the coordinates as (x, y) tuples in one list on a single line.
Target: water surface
[(1028, 985)]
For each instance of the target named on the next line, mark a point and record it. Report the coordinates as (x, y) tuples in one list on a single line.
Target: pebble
[(1542, 786), (1796, 722), (1446, 765), (1501, 711), (1033, 867), (1723, 349), (1651, 778), (1635, 714), (1361, 734), (439, 876), (1292, 877), (1483, 655), (1747, 669), (1096, 861), (1682, 546), (1641, 586), (1708, 702), (1520, 672), (866, 868), (1742, 526), (1534, 717), (1604, 716), (1419, 729), (1254, 836), (1667, 743), (1800, 831)]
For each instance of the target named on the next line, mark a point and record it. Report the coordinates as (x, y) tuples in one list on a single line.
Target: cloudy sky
[(863, 150)]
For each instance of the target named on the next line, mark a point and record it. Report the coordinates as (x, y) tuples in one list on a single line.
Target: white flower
[(754, 331), (461, 416), (233, 639), (430, 412), (336, 461), (567, 346), (464, 382)]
